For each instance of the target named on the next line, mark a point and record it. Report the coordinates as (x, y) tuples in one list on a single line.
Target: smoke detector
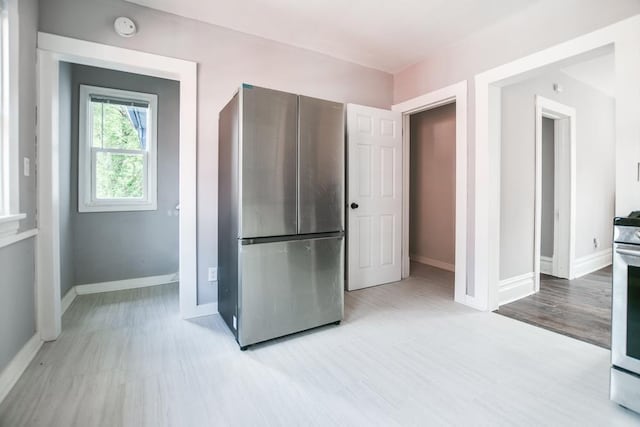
[(125, 27)]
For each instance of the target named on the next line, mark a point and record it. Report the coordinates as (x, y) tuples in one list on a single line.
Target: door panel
[(364, 240), (296, 285), (374, 192), (269, 162), (321, 166)]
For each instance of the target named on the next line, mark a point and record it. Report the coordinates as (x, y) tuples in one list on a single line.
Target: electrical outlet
[(596, 242), (213, 274)]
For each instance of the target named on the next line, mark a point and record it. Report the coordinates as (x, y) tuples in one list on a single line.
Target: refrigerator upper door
[(321, 153), (268, 163)]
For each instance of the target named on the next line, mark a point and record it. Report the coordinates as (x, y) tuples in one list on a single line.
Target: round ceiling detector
[(125, 27)]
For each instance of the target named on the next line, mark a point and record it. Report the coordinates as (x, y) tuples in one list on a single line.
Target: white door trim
[(53, 49), (454, 93), (623, 37), (564, 241)]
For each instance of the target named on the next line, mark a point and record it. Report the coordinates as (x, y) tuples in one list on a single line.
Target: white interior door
[(374, 233)]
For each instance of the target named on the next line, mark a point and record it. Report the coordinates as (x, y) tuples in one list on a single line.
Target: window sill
[(9, 224), (15, 238), (117, 208)]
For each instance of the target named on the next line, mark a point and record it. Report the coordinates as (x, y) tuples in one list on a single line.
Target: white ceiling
[(599, 72), (388, 35)]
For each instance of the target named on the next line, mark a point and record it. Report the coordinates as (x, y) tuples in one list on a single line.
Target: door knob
[(354, 205)]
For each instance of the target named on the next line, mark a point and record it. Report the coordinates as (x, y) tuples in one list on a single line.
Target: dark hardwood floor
[(579, 308)]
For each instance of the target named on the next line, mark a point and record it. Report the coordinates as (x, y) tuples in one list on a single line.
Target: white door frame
[(564, 239), (623, 37), (455, 93), (53, 49)]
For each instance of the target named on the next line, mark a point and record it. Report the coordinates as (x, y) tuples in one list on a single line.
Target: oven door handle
[(629, 252)]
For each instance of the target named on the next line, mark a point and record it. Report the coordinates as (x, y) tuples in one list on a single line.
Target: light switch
[(26, 166)]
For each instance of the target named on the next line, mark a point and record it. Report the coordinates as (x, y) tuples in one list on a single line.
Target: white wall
[(225, 59), (544, 24), (433, 186), (595, 172)]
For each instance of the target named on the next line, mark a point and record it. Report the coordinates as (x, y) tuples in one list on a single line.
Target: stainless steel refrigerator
[(281, 213)]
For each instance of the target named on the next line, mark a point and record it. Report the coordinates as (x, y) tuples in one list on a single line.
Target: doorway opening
[(432, 204), (378, 235), (555, 188), (53, 51), (453, 97), (118, 158), (557, 192)]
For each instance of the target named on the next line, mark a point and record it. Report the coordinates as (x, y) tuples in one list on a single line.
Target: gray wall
[(67, 279), (225, 59), (17, 298), (433, 184), (595, 172), (17, 261), (548, 190), (124, 245), (507, 40)]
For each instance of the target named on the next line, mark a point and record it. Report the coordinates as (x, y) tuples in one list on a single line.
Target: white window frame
[(10, 215), (87, 200)]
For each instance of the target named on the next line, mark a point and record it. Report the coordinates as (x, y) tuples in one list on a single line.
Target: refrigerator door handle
[(274, 239)]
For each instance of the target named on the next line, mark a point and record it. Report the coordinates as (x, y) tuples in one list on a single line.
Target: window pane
[(119, 126), (96, 109), (119, 176)]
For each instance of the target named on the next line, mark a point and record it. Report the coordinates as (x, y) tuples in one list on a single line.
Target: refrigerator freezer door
[(289, 286), (321, 155), (269, 163)]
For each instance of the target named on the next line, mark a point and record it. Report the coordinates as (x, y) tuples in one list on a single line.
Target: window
[(9, 139), (117, 153)]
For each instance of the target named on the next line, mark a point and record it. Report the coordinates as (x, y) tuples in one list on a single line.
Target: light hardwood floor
[(406, 354)]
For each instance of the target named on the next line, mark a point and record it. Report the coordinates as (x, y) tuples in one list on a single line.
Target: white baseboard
[(68, 299), (592, 262), (546, 265), (200, 310), (473, 302), (119, 285), (12, 372), (433, 262), (515, 288)]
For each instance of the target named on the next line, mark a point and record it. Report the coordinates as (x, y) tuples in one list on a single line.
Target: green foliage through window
[(118, 175), (112, 127)]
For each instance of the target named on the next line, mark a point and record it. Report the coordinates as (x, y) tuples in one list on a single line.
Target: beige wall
[(543, 24), (225, 60), (432, 186)]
